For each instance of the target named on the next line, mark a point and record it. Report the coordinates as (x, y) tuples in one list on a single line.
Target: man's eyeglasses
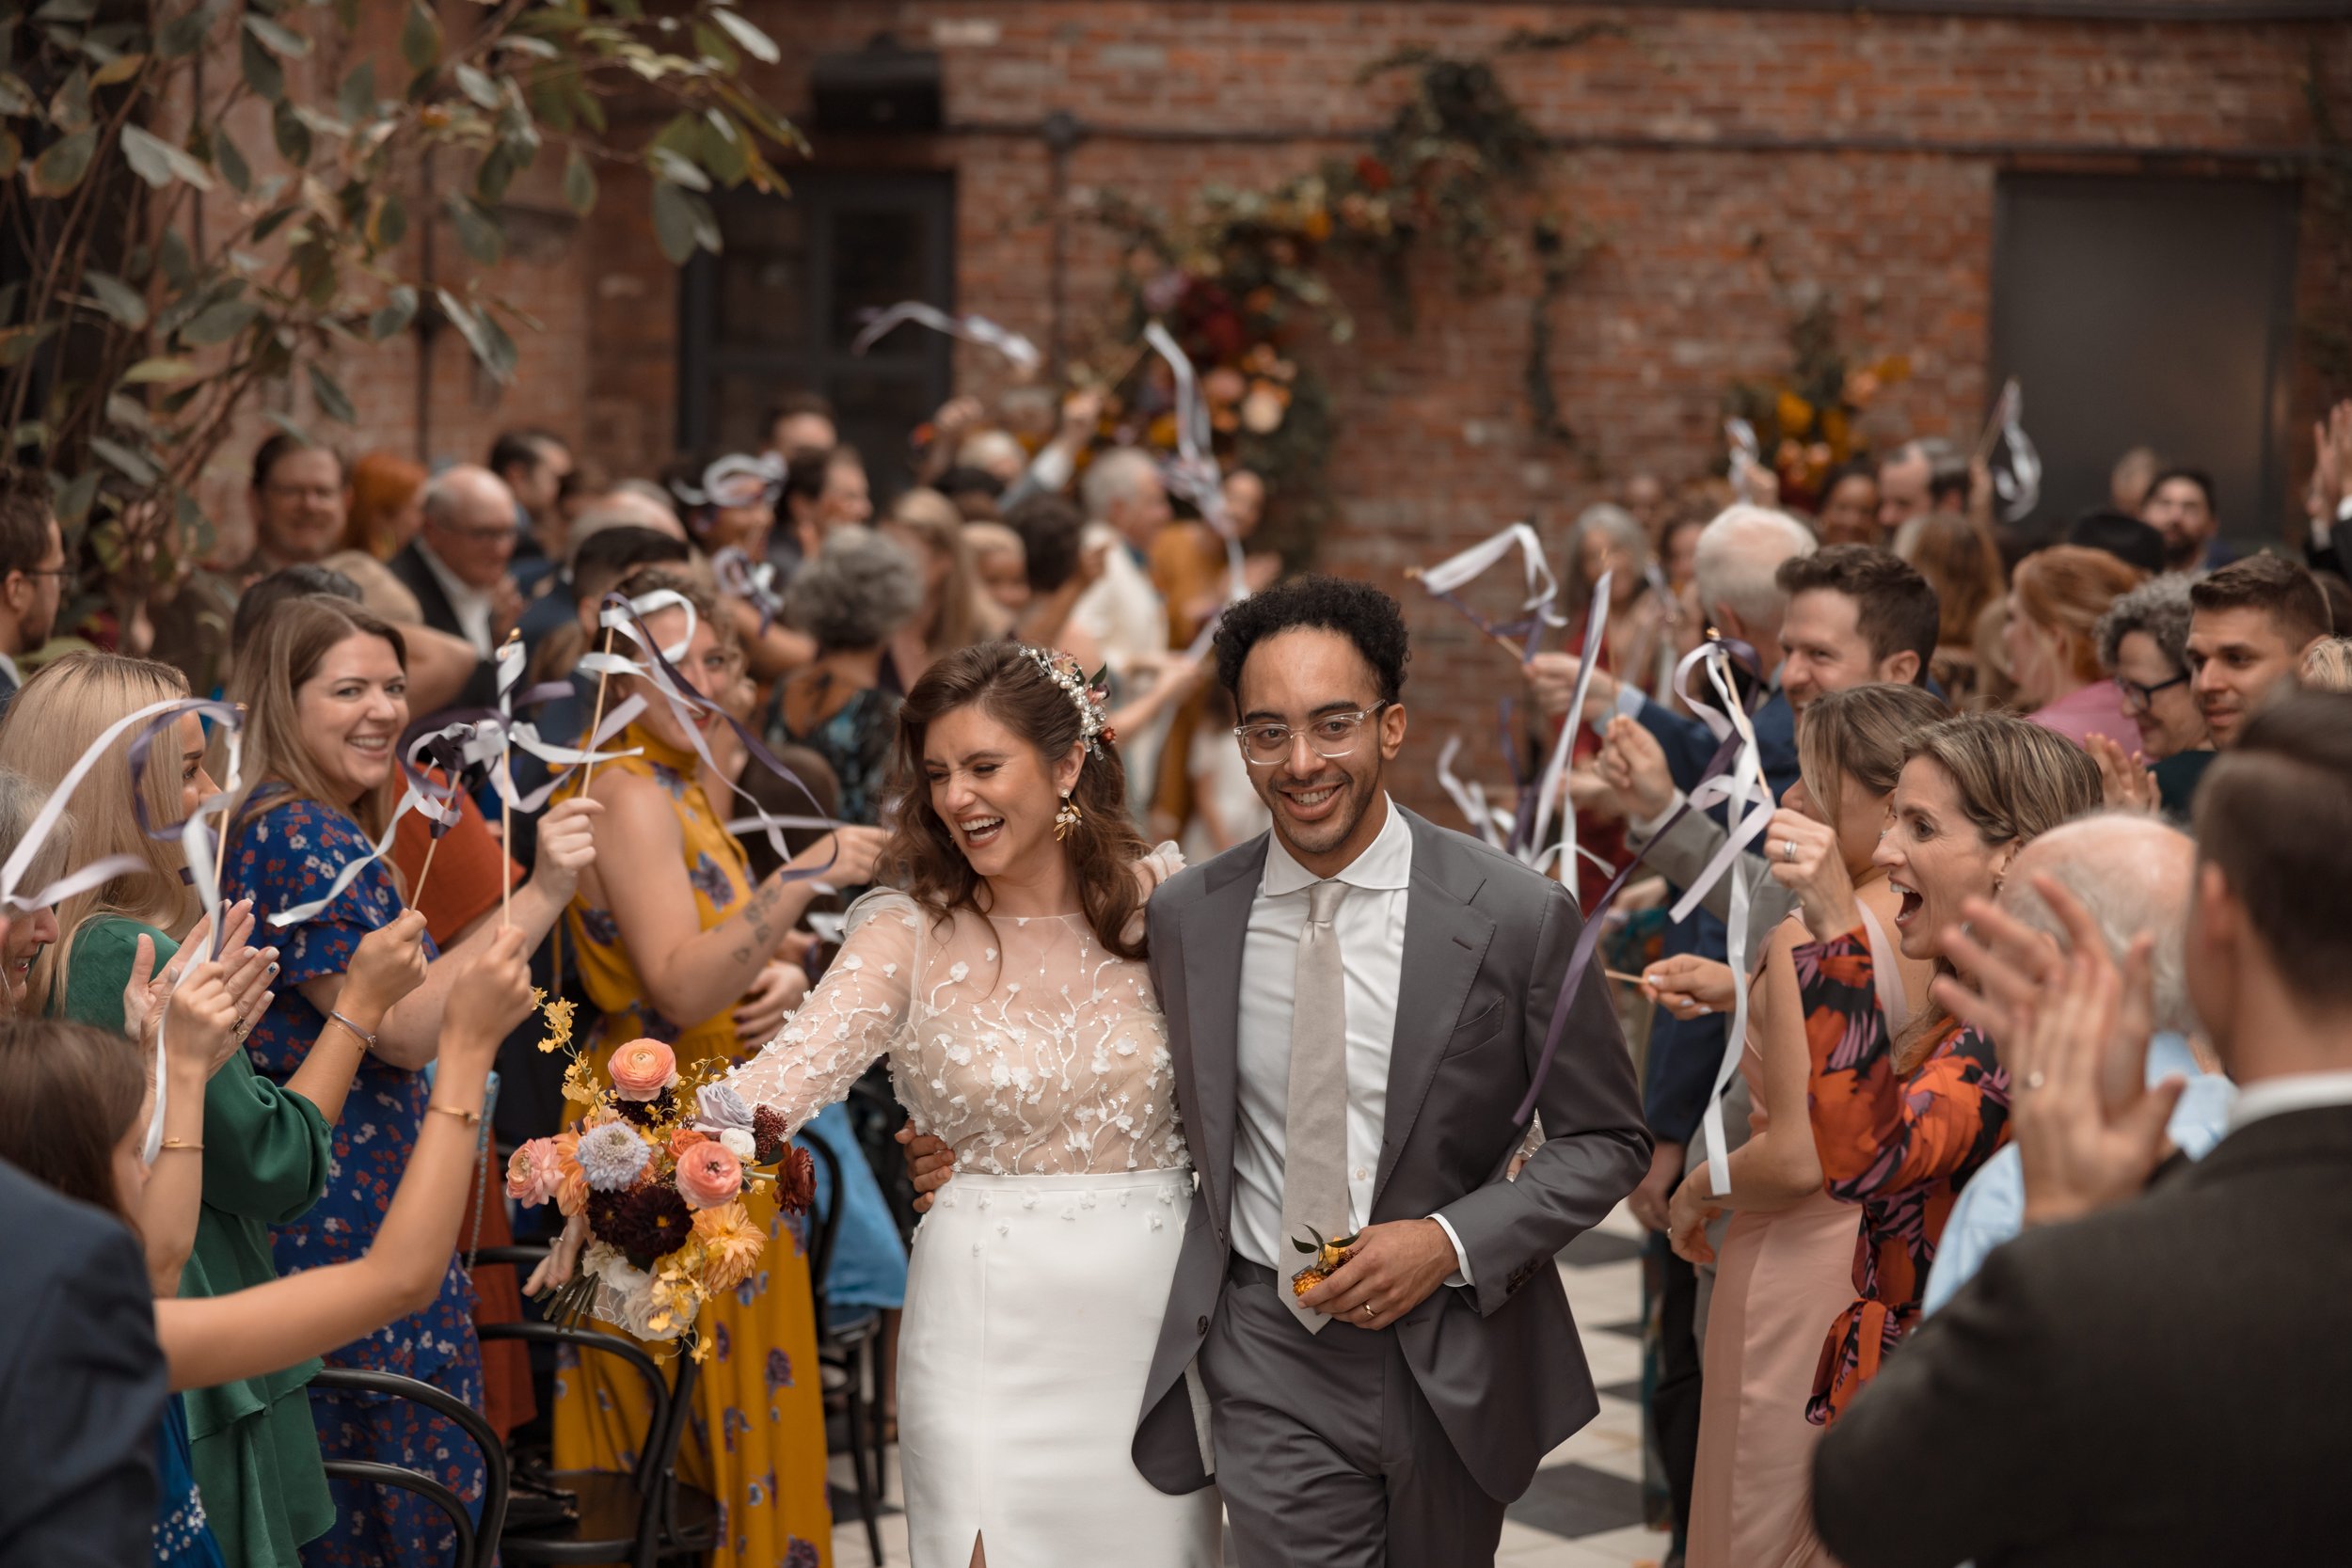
[(1328, 734), (2141, 699)]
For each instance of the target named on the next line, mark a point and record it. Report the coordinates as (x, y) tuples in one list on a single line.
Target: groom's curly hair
[(1357, 610)]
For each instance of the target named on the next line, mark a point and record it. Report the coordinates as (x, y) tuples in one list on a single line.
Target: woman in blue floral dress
[(326, 687)]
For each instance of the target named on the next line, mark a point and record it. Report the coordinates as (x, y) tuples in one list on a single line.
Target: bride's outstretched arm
[(845, 1025)]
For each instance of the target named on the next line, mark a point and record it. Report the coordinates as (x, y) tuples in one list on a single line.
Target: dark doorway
[(2149, 313), (777, 310)]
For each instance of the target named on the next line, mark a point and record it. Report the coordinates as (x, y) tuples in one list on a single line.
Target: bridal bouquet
[(662, 1197)]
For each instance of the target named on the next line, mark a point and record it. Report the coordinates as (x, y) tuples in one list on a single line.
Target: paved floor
[(1585, 1509)]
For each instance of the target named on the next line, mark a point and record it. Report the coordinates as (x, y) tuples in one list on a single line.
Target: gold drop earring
[(1066, 820)]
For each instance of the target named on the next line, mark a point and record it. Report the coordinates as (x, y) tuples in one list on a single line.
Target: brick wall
[(1737, 164)]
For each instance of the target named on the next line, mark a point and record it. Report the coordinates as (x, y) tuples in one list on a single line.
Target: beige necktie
[(1314, 1122)]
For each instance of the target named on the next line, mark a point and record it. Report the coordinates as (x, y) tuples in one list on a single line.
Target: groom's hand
[(1393, 1268), (930, 1163)]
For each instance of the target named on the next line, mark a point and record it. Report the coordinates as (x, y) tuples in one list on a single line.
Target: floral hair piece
[(1088, 696)]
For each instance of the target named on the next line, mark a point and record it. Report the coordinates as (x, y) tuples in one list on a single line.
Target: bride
[(1004, 977)]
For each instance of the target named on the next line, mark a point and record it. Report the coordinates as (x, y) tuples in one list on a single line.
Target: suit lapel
[(1445, 941), (1216, 929)]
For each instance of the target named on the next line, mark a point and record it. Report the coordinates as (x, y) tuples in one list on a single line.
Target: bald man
[(456, 566), (2133, 874)]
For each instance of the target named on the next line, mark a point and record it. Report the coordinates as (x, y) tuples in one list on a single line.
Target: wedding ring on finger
[(2035, 1079), (1369, 1313), (1788, 850)]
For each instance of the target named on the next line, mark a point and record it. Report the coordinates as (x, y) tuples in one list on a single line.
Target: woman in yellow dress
[(675, 929)]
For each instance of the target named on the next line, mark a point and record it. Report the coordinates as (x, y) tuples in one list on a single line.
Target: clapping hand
[(2125, 785), (1806, 860), (2008, 963), (2081, 1039)]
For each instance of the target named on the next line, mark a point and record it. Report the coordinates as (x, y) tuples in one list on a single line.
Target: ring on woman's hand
[(1369, 1313), (2034, 1080), (1788, 850)]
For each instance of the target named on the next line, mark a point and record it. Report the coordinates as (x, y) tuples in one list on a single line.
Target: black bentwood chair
[(845, 1354), (642, 1517), (476, 1548)]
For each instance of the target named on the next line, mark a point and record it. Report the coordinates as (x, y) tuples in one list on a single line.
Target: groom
[(1355, 1005)]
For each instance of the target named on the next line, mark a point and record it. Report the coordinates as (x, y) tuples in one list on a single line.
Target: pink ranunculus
[(708, 1174), (643, 1069), (534, 1172)]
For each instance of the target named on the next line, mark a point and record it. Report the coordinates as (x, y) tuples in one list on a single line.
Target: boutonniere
[(1328, 1256)]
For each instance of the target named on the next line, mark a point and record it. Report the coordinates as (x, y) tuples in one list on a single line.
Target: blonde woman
[(2327, 665), (265, 1147), (955, 611)]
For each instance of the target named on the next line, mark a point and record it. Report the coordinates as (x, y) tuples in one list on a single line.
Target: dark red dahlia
[(796, 1180), (644, 1113), (768, 1136), (647, 1222)]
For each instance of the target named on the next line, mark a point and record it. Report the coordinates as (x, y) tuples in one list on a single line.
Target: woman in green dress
[(265, 1148)]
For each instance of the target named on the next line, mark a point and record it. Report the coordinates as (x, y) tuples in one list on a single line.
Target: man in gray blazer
[(1356, 1005)]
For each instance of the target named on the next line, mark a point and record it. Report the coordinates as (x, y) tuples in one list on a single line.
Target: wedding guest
[(1061, 566), (458, 563), (79, 1128), (1122, 611), (858, 591), (1786, 1258), (265, 1147), (534, 465), (2179, 506), (386, 504), (1849, 514), (2131, 479), (1901, 1121), (676, 942), (954, 612), (2143, 642), (1001, 561), (1962, 565), (823, 489), (33, 571), (2121, 535), (2251, 623), (2056, 1382), (1920, 477), (2327, 665), (2055, 601), (2130, 876), (325, 686)]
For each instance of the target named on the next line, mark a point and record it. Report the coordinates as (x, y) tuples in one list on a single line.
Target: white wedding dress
[(1038, 1278)]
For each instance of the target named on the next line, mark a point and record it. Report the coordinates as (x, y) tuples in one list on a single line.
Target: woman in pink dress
[(2054, 602), (1787, 1256)]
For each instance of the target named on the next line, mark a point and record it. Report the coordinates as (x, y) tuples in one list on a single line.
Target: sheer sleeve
[(849, 1022)]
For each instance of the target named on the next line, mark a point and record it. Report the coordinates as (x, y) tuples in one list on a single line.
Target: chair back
[(827, 1230), (476, 1547)]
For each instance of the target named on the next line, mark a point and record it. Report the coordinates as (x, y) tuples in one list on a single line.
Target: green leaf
[(716, 51), (331, 397), (229, 159), (262, 73), (129, 413), (157, 162), (679, 169), (390, 223), (476, 84), (579, 183), (724, 153), (393, 316), (758, 46), (494, 174), (71, 501), (217, 324), (17, 343), (61, 168), (171, 254), (478, 233), (184, 34), (118, 299), (356, 96), (15, 97), (277, 37), (292, 134), (272, 221), (421, 38), (673, 222), (120, 68), (129, 464), (482, 335)]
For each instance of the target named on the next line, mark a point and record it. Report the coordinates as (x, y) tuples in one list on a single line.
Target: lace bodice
[(1023, 1043)]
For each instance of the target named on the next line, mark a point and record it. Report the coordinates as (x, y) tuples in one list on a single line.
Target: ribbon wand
[(510, 658)]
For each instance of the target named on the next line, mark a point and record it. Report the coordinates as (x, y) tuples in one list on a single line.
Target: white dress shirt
[(2271, 1097), (1370, 923), (1122, 611), (471, 605)]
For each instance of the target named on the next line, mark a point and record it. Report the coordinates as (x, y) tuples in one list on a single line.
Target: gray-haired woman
[(2143, 644), (852, 598)]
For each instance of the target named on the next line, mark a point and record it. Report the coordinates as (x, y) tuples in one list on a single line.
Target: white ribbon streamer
[(1021, 353), (1471, 797), (2017, 480), (1555, 772), (1464, 566)]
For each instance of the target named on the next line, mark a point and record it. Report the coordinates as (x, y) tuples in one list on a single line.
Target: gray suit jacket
[(1486, 944)]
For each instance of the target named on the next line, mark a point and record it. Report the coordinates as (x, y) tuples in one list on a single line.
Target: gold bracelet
[(183, 1143), (472, 1119)]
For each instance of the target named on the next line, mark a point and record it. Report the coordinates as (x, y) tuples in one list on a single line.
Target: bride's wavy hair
[(1015, 691)]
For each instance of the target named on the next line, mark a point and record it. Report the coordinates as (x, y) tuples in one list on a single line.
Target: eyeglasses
[(2140, 698), (1328, 735)]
